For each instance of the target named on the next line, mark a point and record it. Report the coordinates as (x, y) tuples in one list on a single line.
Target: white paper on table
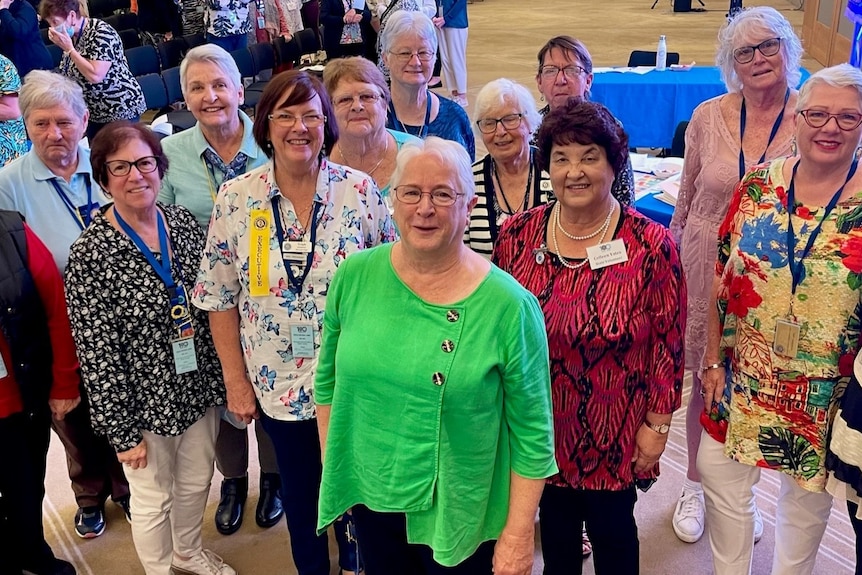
[(669, 190), (625, 69), (640, 162)]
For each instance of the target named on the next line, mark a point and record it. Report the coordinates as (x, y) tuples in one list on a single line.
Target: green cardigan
[(418, 429)]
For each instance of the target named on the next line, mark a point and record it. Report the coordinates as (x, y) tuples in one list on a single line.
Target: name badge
[(258, 269), (545, 186), (296, 247), (3, 371), (786, 341), (607, 254), (88, 211), (302, 339), (185, 357)]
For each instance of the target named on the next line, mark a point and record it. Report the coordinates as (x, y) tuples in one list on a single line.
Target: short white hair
[(214, 55), (43, 90), (840, 76), (449, 152), (409, 22), (498, 92), (743, 23)]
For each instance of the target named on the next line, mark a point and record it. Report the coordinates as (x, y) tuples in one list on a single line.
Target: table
[(655, 210), (651, 105)]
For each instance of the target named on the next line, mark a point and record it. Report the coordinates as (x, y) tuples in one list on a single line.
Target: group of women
[(563, 402)]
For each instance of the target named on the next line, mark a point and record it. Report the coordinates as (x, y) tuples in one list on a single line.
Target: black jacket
[(20, 40)]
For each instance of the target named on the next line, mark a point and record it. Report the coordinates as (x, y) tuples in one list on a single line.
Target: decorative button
[(438, 378), (452, 315), (448, 345)]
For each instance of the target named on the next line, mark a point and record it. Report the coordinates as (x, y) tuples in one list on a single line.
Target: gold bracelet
[(711, 366)]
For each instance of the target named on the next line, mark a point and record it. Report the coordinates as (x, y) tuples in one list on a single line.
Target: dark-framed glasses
[(847, 121), (365, 98), (570, 72), (769, 47), (440, 197), (509, 121), (285, 120), (120, 168), (406, 56)]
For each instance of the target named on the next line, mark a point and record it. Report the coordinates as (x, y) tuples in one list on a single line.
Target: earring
[(793, 148), (859, 152), (541, 97)]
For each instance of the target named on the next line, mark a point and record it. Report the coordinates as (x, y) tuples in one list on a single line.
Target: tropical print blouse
[(13, 137), (777, 409)]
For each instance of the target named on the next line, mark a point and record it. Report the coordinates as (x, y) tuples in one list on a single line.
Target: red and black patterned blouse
[(616, 342)]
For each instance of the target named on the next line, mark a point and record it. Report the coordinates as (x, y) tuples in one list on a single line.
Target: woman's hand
[(712, 386), (438, 21), (60, 407), (4, 4), (60, 39), (513, 554), (649, 445), (241, 400), (136, 457)]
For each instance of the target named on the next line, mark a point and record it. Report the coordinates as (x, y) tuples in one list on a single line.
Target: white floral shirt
[(351, 217)]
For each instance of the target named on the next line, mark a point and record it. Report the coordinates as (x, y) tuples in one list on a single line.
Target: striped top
[(487, 216)]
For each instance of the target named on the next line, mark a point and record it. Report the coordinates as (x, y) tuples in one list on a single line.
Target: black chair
[(643, 58), (56, 54), (287, 51), (244, 62), (154, 91), (44, 33), (130, 39), (121, 5), (127, 20), (100, 8), (194, 40), (263, 54), (677, 147), (171, 52), (171, 76), (143, 60), (308, 42)]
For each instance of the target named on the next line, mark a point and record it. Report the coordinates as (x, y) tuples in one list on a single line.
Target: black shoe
[(228, 517), (269, 509), (89, 522), (125, 504), (53, 566)]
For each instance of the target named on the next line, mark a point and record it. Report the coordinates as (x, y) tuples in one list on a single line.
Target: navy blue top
[(451, 123), (455, 13), (20, 40)]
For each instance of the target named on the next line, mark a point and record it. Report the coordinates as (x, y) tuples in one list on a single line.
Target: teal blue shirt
[(189, 181)]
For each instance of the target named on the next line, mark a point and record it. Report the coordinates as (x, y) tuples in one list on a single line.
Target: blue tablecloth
[(655, 210), (651, 105)]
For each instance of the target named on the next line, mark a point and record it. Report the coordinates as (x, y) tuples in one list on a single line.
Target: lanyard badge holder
[(183, 343)]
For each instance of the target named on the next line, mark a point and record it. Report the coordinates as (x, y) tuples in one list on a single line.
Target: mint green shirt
[(433, 406), (189, 181)]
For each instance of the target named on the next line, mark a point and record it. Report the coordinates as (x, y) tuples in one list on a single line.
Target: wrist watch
[(660, 429)]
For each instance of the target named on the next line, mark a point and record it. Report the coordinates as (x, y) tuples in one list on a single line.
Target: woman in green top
[(439, 435)]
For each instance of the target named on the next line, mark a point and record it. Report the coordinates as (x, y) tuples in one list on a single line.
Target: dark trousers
[(857, 529), (93, 128), (23, 449), (94, 469), (229, 43), (609, 516), (232, 450), (297, 450), (310, 13), (385, 550)]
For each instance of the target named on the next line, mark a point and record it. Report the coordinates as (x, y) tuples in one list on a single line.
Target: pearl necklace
[(603, 230), (377, 165), (590, 236)]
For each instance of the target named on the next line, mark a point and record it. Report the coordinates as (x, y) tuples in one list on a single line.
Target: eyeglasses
[(423, 55), (440, 197), (285, 120), (366, 99), (120, 168), (768, 47), (847, 121), (570, 72), (509, 121)]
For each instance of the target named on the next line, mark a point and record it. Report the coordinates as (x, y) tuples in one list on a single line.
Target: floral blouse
[(13, 137), (777, 410), (120, 314), (352, 216)]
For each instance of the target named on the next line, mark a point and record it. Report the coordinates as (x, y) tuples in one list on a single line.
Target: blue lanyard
[(162, 268), (796, 267), (772, 134), (423, 129), (80, 215), (296, 282)]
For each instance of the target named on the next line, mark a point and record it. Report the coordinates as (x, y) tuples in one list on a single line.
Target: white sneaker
[(688, 518), (460, 99), (204, 563), (758, 525)]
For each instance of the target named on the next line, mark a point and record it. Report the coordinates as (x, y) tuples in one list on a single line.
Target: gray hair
[(212, 54), (449, 152), (745, 22), (43, 90), (498, 92), (840, 76), (408, 22)]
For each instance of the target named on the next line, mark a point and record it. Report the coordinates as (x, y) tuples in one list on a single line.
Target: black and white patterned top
[(118, 96), (120, 315), (227, 17)]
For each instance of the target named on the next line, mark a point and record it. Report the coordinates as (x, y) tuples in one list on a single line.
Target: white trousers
[(453, 56), (800, 519), (169, 495)]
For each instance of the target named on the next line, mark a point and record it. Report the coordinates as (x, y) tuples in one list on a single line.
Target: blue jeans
[(297, 451), (229, 43)]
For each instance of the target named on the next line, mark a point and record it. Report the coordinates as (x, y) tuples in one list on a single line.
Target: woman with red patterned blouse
[(611, 285)]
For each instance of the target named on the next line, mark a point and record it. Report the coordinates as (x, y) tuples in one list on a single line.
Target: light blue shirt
[(25, 187), (189, 181)]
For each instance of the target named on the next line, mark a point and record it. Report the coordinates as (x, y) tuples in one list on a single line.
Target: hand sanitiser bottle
[(661, 54)]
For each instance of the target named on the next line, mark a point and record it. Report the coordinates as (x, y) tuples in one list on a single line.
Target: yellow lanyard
[(209, 181)]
